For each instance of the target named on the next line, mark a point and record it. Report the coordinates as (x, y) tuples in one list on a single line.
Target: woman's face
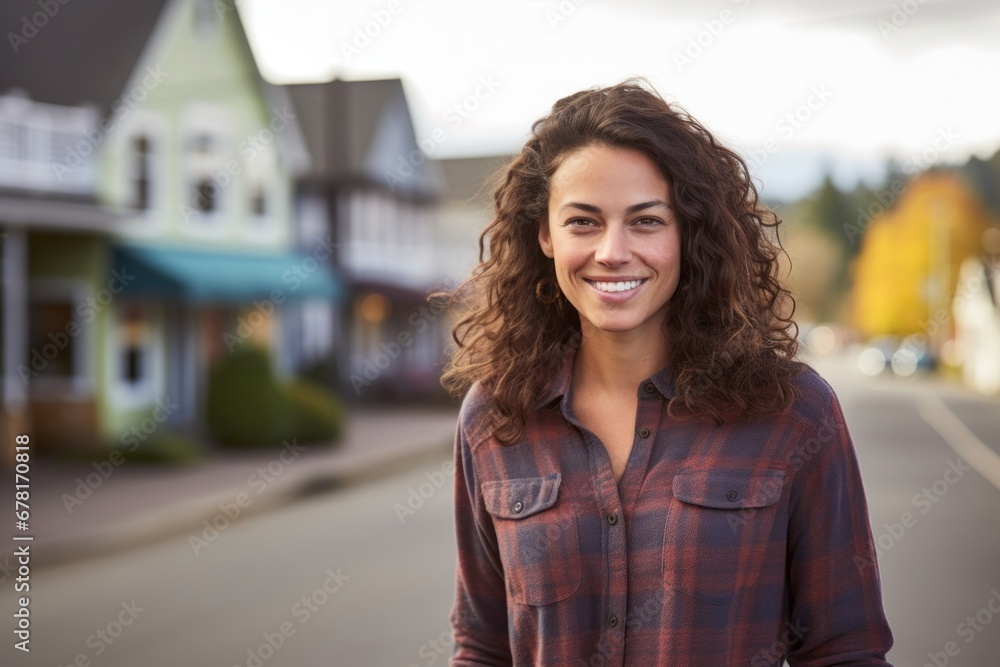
[(613, 236)]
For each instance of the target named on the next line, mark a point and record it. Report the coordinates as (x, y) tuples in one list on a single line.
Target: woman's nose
[(613, 247)]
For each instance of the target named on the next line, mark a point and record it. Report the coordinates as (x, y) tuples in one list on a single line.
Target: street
[(363, 576), (935, 521), (385, 604)]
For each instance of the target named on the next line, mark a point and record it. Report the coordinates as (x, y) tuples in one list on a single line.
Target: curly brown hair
[(732, 339)]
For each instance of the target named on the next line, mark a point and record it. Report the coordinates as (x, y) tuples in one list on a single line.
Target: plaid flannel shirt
[(746, 543)]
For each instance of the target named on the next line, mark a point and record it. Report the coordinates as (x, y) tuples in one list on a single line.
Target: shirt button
[(518, 506), (650, 387), (612, 621), (612, 519), (643, 432), (732, 495)]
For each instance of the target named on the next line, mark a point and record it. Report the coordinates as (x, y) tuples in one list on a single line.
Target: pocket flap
[(729, 488), (520, 498)]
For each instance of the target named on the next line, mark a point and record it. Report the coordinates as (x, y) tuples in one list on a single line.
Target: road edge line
[(958, 436)]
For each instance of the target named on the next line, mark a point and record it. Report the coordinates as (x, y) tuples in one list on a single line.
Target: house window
[(140, 172), (258, 200), (53, 340), (134, 338), (260, 171), (203, 161)]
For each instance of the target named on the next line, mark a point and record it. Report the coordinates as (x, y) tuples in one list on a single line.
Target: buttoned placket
[(615, 501)]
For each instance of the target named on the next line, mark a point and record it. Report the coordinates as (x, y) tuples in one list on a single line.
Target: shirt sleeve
[(836, 614), (479, 615)]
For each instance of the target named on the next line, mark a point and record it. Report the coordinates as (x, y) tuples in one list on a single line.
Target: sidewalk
[(80, 510)]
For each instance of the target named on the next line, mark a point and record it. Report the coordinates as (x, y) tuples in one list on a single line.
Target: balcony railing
[(48, 148)]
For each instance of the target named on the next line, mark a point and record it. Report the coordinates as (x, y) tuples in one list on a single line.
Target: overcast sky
[(785, 82)]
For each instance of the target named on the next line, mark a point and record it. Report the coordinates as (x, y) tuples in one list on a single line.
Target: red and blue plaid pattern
[(747, 543)]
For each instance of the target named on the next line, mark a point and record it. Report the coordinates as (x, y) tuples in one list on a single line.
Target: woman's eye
[(648, 222), (578, 222)]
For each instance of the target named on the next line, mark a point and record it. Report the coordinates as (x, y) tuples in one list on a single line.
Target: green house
[(146, 205)]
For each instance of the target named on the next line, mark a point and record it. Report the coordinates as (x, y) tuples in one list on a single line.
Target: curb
[(187, 515)]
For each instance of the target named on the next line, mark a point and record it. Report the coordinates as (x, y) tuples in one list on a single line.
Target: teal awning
[(231, 277)]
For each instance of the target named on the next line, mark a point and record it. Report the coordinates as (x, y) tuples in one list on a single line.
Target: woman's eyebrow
[(631, 209)]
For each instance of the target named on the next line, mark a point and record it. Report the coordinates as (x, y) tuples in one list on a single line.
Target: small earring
[(547, 290)]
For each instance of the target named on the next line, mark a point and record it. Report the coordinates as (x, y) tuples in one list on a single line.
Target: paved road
[(936, 522), (378, 590)]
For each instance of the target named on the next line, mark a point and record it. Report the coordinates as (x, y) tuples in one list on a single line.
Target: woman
[(644, 473)]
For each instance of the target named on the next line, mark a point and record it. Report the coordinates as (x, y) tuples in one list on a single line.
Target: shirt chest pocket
[(718, 529), (537, 537)]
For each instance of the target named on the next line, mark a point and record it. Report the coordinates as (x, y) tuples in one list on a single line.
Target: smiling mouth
[(621, 286)]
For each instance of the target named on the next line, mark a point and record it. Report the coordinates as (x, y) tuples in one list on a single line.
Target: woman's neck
[(617, 361)]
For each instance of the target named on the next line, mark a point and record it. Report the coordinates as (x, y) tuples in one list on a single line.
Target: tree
[(907, 268)]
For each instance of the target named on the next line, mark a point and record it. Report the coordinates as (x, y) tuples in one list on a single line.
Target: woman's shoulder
[(816, 397), (474, 414)]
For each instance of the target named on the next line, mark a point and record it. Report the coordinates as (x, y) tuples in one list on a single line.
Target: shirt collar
[(662, 379)]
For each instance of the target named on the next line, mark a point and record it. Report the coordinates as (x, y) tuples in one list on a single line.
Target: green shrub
[(323, 370), (243, 403), (318, 413), (246, 405)]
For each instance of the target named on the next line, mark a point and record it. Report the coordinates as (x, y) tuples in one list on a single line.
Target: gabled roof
[(83, 54), (360, 131)]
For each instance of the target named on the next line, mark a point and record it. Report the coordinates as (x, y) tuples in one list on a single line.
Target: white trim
[(152, 221), (262, 167), (151, 224), (214, 120), (123, 396)]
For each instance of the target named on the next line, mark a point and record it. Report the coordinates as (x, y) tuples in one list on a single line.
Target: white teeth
[(616, 287)]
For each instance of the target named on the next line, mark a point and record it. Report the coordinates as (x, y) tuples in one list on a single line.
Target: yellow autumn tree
[(908, 265)]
